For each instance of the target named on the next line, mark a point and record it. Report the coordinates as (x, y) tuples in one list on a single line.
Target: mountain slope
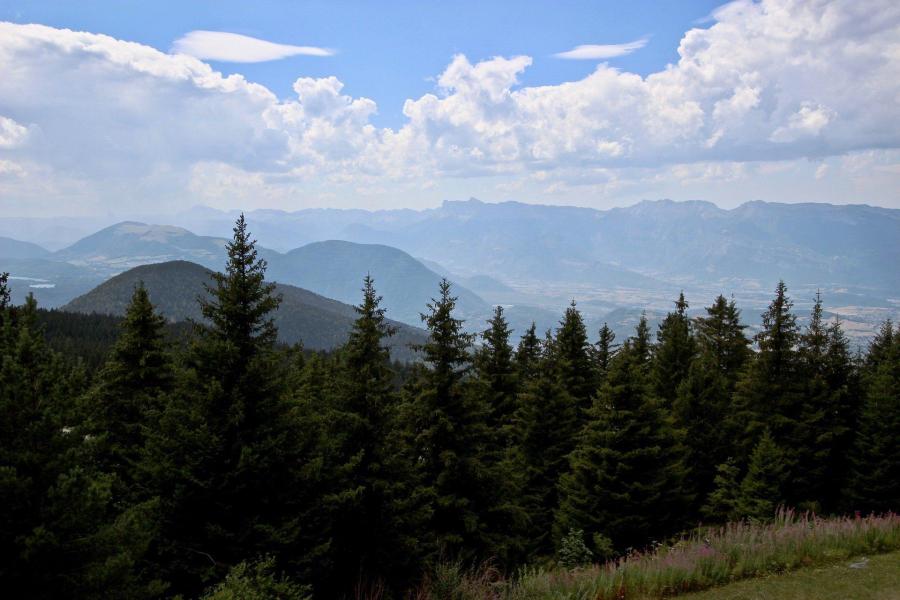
[(130, 244), (319, 322), (10, 248), (336, 269)]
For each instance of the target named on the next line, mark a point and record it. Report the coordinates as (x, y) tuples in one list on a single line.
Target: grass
[(708, 558), (879, 580)]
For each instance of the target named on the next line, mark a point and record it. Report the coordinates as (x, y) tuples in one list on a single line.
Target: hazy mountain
[(10, 248), (130, 244), (650, 244), (336, 269), (319, 322)]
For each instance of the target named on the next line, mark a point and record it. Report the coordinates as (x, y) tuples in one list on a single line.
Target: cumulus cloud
[(765, 82), (601, 51), (234, 47), (11, 133)]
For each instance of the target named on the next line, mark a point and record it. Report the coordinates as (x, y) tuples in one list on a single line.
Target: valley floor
[(878, 579)]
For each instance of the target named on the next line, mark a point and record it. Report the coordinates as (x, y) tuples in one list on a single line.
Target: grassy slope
[(880, 580)]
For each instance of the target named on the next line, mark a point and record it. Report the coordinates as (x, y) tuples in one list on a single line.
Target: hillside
[(10, 248), (336, 269), (130, 244), (319, 322)]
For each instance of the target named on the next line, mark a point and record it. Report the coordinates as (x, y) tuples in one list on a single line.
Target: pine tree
[(703, 409), (605, 350), (720, 335), (226, 452), (376, 515), (572, 358), (762, 489), (769, 394), (875, 478), (827, 414), (62, 533), (495, 369), (450, 435), (625, 476), (528, 355), (130, 385), (546, 429), (4, 291), (675, 350)]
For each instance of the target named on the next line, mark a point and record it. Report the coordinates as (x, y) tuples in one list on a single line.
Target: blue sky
[(108, 107)]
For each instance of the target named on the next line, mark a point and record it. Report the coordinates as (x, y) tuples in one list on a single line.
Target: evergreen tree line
[(233, 467)]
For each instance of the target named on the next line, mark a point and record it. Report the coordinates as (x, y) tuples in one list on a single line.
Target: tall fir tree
[(376, 515), (827, 414), (528, 355), (62, 533), (874, 484), (448, 423), (546, 429), (572, 356), (769, 394), (675, 350), (624, 483), (226, 453), (496, 371), (605, 350), (130, 386), (703, 403)]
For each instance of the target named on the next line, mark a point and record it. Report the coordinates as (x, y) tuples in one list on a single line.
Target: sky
[(121, 107)]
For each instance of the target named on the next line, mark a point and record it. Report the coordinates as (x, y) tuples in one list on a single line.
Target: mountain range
[(532, 259)]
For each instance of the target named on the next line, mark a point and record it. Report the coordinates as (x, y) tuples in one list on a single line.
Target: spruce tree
[(496, 371), (528, 355), (720, 335), (605, 350), (770, 393), (875, 478), (762, 488), (675, 350), (62, 531), (226, 452), (572, 358), (546, 429), (827, 414), (703, 406), (448, 423), (375, 513), (624, 481), (130, 386)]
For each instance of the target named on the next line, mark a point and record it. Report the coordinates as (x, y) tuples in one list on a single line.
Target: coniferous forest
[(231, 466)]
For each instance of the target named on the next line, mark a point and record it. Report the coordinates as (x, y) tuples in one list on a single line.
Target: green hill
[(336, 269), (320, 323)]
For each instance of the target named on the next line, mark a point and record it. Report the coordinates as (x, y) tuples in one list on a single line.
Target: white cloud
[(601, 51), (770, 83), (234, 47), (11, 133)]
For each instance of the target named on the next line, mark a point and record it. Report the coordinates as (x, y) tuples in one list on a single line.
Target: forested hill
[(174, 287)]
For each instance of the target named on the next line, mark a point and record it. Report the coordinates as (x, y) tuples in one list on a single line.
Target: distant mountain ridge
[(636, 246), (174, 287)]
